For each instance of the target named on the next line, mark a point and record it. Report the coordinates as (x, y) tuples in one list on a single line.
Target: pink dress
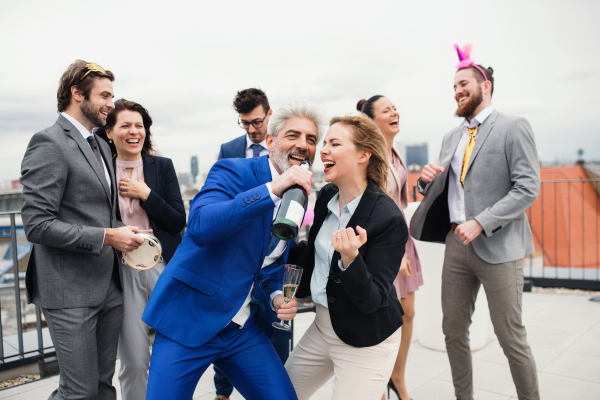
[(131, 211), (398, 191)]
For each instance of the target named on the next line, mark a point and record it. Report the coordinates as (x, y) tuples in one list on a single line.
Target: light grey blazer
[(502, 181), (67, 203)]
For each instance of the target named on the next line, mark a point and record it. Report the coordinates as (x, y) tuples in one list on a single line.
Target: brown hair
[(72, 77), (111, 121), (367, 137), (489, 74)]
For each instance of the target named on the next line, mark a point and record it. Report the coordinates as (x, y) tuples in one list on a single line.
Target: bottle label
[(295, 213)]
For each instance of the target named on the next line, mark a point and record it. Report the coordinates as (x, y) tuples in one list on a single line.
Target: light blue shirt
[(324, 247)]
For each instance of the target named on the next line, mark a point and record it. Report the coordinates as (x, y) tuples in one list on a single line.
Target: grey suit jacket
[(67, 203), (502, 182)]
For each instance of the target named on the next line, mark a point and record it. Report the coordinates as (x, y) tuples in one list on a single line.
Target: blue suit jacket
[(235, 148), (207, 280)]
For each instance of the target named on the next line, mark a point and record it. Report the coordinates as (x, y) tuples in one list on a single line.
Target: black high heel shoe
[(392, 387)]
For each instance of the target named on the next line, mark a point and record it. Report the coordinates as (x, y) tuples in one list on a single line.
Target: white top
[(250, 152), (244, 313), (456, 192)]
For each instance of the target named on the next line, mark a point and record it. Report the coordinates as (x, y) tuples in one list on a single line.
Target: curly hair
[(247, 100)]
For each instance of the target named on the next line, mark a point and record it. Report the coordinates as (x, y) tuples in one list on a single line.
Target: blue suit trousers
[(281, 344), (245, 355)]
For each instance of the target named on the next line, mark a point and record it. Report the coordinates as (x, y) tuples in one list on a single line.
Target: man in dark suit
[(69, 199), (475, 203), (253, 111), (252, 106)]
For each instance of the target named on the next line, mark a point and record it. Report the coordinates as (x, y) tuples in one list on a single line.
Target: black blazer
[(363, 303), (164, 206)]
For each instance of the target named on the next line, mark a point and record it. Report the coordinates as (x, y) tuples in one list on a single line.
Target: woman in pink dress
[(381, 110)]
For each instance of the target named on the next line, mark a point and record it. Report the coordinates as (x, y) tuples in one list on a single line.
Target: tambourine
[(147, 255)]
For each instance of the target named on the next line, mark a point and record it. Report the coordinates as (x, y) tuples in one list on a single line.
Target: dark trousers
[(245, 355), (281, 343), (86, 342)]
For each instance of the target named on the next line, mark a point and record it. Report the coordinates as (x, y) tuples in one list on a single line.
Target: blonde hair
[(366, 137)]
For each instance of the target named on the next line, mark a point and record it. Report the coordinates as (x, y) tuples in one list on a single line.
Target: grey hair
[(298, 108)]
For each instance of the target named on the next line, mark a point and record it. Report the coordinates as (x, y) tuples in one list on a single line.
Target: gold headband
[(93, 68)]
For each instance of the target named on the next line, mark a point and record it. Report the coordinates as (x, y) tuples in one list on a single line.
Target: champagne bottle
[(291, 211)]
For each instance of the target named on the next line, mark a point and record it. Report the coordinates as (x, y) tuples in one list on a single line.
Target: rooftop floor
[(563, 331)]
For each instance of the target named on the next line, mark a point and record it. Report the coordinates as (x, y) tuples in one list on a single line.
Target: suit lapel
[(240, 149), (360, 217), (262, 172), (482, 134), (87, 152), (150, 173), (452, 145)]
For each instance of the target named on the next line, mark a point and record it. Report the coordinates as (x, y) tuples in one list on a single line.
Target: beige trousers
[(359, 373)]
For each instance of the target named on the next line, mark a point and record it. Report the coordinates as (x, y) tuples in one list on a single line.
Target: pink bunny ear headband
[(464, 57)]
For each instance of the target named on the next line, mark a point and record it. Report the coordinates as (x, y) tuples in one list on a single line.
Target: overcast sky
[(185, 61)]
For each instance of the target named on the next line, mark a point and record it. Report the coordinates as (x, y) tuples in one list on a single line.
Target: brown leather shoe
[(221, 397)]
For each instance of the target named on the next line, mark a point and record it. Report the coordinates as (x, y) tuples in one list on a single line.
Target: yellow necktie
[(468, 151)]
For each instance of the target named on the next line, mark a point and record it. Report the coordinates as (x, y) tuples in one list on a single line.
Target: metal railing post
[(13, 234)]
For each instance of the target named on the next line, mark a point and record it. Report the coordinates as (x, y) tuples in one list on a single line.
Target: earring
[(110, 141)]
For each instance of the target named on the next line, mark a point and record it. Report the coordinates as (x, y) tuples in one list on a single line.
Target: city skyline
[(186, 68)]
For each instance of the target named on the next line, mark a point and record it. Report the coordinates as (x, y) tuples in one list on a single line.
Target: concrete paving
[(563, 331)]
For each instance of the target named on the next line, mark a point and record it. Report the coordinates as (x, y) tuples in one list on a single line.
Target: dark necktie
[(94, 145), (273, 242), (256, 149)]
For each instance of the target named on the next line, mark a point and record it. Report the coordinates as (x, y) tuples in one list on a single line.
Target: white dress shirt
[(244, 313), (324, 246), (456, 192), (250, 152)]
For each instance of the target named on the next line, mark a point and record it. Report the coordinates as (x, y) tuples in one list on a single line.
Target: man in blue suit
[(206, 304), (252, 106), (253, 111)]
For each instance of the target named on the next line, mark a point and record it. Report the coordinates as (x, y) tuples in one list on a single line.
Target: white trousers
[(359, 373), (134, 342)]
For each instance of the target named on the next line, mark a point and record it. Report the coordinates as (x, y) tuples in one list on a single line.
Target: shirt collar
[(250, 143), (82, 129), (334, 205), (274, 173), (479, 118)]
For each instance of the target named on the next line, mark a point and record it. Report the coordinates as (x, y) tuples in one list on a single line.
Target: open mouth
[(297, 158), (328, 164), (133, 142), (394, 123), (462, 100)]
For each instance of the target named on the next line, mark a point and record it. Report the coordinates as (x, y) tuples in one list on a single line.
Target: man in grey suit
[(475, 203), (69, 198)]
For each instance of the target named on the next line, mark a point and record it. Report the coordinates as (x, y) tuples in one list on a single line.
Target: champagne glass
[(291, 280)]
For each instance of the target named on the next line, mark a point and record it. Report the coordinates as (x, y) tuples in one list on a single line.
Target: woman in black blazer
[(350, 262), (149, 198)]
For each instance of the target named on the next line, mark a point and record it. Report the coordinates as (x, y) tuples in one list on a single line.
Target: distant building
[(195, 168), (417, 154)]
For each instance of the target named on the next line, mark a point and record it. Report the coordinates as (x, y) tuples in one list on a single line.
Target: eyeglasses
[(93, 68), (257, 123)]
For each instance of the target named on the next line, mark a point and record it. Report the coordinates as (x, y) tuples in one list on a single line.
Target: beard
[(283, 159), (91, 113), (467, 109)]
